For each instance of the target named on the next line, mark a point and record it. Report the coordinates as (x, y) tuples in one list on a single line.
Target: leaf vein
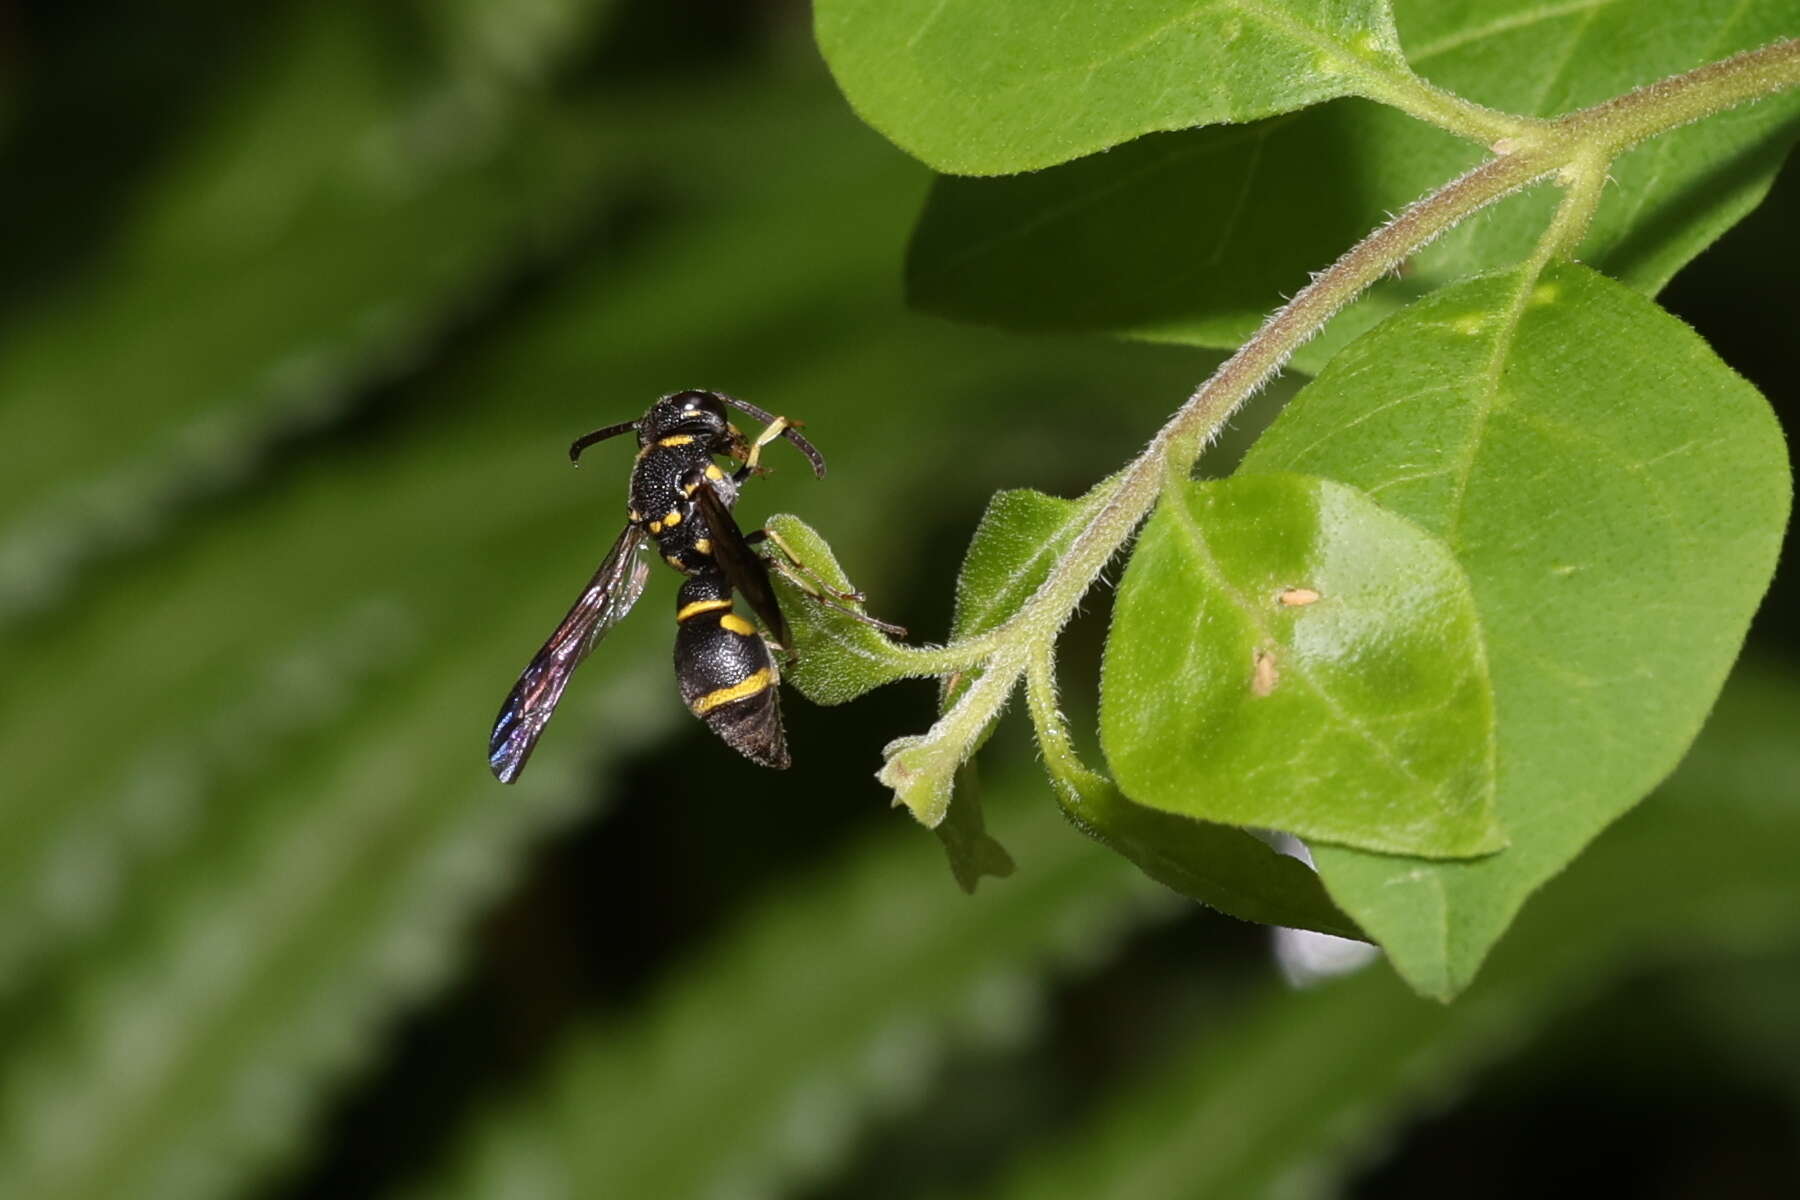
[(1196, 538), (925, 25), (1507, 24), (1483, 399)]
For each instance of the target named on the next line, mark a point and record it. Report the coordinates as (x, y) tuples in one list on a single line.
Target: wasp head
[(698, 414)]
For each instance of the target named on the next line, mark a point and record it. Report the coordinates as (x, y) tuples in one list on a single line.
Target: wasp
[(680, 499)]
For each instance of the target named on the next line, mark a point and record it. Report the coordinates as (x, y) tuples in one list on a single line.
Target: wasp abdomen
[(727, 675)]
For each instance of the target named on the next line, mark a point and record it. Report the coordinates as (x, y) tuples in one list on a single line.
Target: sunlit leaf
[(984, 87), (1195, 236), (1286, 654), (1020, 535), (1019, 538), (1617, 496)]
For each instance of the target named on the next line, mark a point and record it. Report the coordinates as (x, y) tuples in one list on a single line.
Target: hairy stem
[(1578, 148), (1583, 184), (1624, 121), (1616, 125), (1447, 110)]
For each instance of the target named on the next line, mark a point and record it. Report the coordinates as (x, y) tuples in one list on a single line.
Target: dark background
[(1658, 1079)]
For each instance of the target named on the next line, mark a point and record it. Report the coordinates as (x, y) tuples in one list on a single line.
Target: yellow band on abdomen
[(700, 606), (737, 691)]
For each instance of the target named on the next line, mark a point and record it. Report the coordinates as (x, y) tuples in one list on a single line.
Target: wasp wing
[(609, 595), (744, 568)]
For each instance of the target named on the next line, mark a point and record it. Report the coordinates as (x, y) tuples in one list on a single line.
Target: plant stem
[(1584, 141), (1180, 441), (1623, 122), (1583, 184), (1448, 111), (1579, 146)]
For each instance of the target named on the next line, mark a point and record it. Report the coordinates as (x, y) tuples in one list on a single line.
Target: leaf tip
[(920, 777)]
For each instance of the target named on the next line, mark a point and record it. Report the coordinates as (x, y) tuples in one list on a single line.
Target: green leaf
[(1287, 654), (973, 853), (1217, 865), (858, 981), (836, 658), (1195, 236), (1617, 496), (984, 87), (1018, 539), (1307, 1086), (1020, 536)]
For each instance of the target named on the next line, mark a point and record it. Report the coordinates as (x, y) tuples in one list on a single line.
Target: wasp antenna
[(807, 448), (791, 432), (599, 435)]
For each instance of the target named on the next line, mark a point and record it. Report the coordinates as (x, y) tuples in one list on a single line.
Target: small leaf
[(1020, 537), (984, 87), (1286, 654), (836, 658), (1617, 496), (972, 851), (1018, 540), (1194, 236)]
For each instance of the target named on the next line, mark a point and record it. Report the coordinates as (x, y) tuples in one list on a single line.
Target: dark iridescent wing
[(610, 594), (744, 568)]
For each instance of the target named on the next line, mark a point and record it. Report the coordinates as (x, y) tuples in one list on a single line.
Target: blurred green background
[(302, 305)]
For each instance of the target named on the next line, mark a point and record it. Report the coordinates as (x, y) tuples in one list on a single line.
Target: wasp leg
[(795, 570), (815, 583), (752, 455)]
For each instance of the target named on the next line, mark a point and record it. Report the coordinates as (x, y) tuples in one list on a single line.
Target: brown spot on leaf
[(1264, 675)]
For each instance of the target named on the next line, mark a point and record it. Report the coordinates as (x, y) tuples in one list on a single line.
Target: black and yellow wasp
[(681, 498)]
